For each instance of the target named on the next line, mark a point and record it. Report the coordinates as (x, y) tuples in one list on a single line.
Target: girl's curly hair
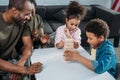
[(75, 10)]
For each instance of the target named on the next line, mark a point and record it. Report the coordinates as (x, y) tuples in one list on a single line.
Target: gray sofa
[(54, 16)]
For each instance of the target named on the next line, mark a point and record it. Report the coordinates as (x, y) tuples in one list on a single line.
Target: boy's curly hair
[(75, 10), (98, 27)]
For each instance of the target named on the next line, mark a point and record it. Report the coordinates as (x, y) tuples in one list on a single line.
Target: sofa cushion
[(60, 15), (41, 10), (55, 24), (51, 10), (82, 26), (89, 13), (47, 28), (2, 8)]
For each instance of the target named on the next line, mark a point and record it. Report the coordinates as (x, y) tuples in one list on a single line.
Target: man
[(11, 29), (36, 26), (40, 40)]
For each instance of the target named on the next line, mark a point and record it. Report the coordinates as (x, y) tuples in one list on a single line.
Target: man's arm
[(27, 50), (9, 67)]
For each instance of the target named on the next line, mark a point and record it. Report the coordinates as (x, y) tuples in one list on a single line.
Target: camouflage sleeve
[(40, 25)]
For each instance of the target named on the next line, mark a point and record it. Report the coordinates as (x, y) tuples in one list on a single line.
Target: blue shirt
[(105, 58)]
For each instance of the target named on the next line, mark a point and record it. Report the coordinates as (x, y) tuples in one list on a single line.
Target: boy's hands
[(71, 55)]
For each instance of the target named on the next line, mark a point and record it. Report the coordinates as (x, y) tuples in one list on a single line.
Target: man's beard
[(18, 20)]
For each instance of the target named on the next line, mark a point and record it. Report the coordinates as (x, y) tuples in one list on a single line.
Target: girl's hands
[(60, 44), (67, 33)]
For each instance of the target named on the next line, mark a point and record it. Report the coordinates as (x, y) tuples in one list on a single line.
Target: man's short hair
[(18, 4), (34, 2)]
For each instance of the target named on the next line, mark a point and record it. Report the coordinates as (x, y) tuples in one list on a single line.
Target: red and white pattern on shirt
[(116, 5)]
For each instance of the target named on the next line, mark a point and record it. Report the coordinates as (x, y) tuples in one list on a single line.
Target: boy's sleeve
[(103, 63), (95, 64)]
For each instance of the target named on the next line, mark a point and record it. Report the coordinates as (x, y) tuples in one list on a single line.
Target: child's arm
[(71, 55), (60, 44), (67, 33), (59, 38)]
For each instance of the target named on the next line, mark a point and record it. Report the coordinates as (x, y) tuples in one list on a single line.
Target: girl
[(75, 13)]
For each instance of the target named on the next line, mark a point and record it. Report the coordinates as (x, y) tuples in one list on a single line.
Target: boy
[(97, 31)]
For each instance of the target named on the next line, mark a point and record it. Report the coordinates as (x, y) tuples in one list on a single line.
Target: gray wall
[(4, 2), (106, 3)]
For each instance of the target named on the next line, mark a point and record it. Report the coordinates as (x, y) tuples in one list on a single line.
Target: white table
[(56, 68)]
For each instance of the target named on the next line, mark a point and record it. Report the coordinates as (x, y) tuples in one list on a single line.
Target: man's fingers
[(14, 77), (37, 63), (36, 67)]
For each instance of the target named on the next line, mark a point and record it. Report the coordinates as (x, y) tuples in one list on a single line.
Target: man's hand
[(44, 38), (35, 34), (14, 77), (35, 68)]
